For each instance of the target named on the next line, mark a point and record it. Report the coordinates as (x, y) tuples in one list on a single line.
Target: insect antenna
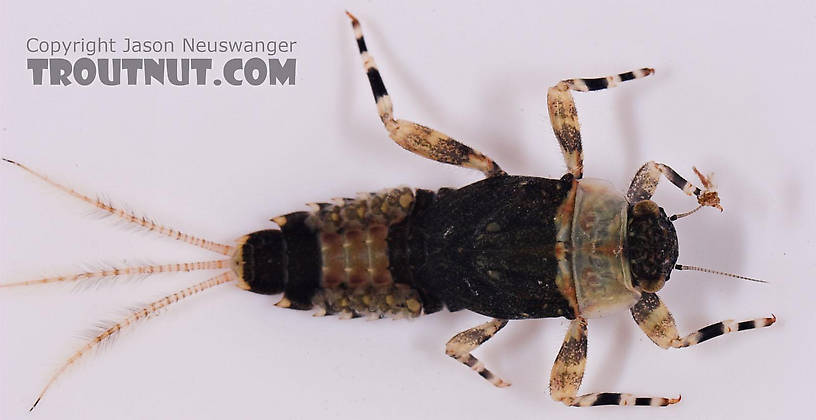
[(708, 270), (140, 270), (133, 218), (688, 213), (135, 316)]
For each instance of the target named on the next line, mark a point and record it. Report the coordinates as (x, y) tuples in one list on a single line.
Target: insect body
[(508, 247)]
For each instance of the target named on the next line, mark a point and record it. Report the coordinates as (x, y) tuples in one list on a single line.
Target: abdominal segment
[(338, 258)]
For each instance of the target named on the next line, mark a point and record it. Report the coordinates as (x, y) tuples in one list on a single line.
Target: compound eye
[(652, 285), (646, 207)]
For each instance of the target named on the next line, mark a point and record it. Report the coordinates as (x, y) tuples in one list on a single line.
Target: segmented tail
[(146, 311), (132, 218), (126, 271), (134, 317)]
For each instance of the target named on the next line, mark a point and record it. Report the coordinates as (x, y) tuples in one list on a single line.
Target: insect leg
[(460, 346), (657, 322), (134, 317), (414, 137), (568, 371), (564, 115), (645, 182), (131, 217)]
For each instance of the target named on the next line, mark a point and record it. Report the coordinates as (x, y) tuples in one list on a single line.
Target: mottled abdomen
[(334, 259)]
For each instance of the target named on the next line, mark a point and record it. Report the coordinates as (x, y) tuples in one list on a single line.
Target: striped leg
[(564, 116), (414, 137), (657, 322), (645, 182), (568, 371), (460, 346)]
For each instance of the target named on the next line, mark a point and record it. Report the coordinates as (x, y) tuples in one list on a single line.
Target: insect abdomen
[(337, 258)]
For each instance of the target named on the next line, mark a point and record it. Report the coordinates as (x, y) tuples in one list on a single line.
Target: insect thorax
[(601, 270)]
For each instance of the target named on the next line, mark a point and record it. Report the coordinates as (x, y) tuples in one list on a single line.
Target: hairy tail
[(131, 217)]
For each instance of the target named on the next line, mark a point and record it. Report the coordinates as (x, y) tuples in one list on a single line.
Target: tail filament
[(132, 218), (134, 317)]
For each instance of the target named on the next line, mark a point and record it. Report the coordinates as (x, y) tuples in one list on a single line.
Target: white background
[(733, 94)]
